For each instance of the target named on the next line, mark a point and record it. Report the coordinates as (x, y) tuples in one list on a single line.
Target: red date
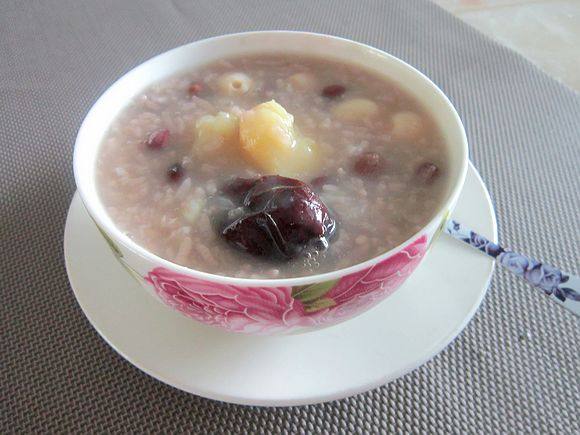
[(275, 217)]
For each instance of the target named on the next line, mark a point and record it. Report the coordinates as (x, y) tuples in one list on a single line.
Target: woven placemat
[(514, 369)]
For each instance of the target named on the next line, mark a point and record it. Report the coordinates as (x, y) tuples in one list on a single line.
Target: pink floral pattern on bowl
[(263, 310)]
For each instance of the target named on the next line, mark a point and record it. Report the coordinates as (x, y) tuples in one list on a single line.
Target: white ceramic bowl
[(268, 305)]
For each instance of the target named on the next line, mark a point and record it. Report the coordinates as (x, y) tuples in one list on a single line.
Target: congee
[(272, 167)]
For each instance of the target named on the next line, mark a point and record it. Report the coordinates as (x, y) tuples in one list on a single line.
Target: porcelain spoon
[(561, 287)]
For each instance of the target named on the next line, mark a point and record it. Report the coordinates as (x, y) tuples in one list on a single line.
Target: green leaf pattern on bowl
[(312, 296), (119, 255)]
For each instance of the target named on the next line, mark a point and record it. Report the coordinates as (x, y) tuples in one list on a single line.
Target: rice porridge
[(272, 167)]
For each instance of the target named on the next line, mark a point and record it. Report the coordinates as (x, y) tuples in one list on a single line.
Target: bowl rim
[(116, 234)]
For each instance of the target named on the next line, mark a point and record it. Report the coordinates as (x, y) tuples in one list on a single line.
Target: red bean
[(333, 91), (195, 89), (427, 172), (158, 139), (369, 164), (175, 172)]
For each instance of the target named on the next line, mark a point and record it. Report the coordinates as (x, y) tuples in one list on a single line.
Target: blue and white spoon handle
[(561, 287)]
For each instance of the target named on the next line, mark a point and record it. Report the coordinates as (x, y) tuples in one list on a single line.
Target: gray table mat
[(515, 367)]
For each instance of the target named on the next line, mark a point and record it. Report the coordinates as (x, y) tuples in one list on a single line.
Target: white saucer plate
[(390, 340)]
